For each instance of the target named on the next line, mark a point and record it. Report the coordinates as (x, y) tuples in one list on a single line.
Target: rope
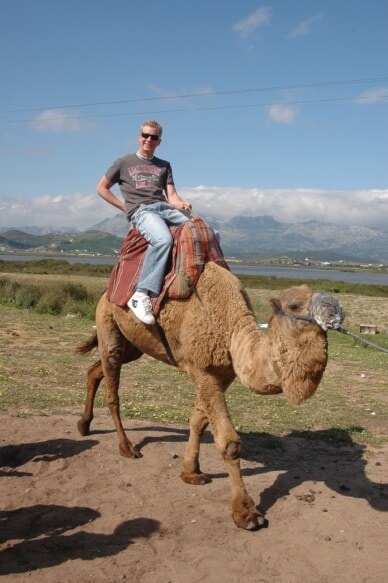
[(327, 312), (363, 340)]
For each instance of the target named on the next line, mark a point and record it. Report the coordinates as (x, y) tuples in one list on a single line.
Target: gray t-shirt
[(141, 181)]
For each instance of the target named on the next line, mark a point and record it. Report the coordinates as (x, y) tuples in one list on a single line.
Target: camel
[(213, 337)]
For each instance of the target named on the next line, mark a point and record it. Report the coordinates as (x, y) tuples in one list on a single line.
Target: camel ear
[(276, 305)]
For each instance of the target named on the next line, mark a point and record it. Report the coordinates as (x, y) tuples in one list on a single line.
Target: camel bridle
[(328, 313)]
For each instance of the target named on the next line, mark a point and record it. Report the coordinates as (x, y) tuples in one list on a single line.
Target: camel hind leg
[(109, 368), (94, 378), (112, 360)]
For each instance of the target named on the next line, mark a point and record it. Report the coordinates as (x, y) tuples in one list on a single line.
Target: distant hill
[(91, 242), (34, 230), (242, 237), (263, 236), (16, 239)]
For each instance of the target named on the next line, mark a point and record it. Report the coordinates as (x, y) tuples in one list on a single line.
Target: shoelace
[(146, 303)]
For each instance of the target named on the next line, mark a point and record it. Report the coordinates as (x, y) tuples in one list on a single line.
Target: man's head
[(150, 137)]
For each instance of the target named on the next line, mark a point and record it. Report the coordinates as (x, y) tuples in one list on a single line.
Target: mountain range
[(263, 236), (252, 238)]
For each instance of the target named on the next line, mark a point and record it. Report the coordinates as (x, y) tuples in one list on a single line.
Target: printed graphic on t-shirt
[(145, 176)]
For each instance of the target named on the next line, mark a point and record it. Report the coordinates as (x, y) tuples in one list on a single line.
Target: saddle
[(195, 243)]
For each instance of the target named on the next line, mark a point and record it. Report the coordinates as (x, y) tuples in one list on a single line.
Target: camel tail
[(88, 345)]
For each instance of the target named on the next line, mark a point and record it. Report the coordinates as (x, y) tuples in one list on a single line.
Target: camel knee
[(114, 360), (112, 401), (232, 450)]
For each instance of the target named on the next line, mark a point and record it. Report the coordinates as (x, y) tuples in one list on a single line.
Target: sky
[(268, 108)]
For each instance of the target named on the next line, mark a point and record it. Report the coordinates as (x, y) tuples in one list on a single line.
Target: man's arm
[(174, 199), (103, 189)]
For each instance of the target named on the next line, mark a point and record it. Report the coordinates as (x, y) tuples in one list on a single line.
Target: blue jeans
[(151, 221)]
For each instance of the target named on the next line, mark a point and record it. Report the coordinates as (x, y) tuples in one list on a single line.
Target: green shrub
[(56, 299), (77, 291)]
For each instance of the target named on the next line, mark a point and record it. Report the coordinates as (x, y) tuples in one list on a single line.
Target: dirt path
[(73, 510)]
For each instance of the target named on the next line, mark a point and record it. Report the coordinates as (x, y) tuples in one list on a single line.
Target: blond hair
[(153, 124)]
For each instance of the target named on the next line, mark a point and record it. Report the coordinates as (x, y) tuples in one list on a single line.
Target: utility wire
[(198, 109), (204, 94)]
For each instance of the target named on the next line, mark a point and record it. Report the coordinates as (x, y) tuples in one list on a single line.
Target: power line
[(203, 94), (199, 109)]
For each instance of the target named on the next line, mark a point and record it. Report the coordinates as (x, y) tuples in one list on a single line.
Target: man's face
[(149, 140)]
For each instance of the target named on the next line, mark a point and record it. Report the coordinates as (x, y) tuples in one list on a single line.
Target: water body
[(312, 273), (91, 260), (303, 273)]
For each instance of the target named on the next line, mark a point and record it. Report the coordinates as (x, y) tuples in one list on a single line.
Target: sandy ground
[(73, 510)]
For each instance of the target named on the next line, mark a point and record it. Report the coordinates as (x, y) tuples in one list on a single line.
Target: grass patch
[(333, 287), (49, 296), (40, 374), (55, 267)]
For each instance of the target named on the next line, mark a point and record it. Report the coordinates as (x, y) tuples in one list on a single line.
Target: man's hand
[(186, 206), (174, 199)]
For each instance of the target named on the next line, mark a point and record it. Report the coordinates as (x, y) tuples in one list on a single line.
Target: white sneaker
[(140, 304)]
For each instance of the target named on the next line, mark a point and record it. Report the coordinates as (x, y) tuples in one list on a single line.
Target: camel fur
[(214, 337)]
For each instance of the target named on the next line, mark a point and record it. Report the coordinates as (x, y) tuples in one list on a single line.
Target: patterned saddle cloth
[(195, 243)]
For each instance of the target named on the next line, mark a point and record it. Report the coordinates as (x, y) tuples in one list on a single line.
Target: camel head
[(298, 339)]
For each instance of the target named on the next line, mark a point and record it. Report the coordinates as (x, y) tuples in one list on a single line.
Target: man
[(151, 203)]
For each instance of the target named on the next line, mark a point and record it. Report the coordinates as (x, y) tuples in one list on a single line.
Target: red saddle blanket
[(195, 243)]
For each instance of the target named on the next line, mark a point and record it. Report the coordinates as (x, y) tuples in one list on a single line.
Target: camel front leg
[(191, 472), (244, 511), (211, 394)]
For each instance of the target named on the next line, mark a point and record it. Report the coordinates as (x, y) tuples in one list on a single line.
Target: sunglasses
[(154, 137)]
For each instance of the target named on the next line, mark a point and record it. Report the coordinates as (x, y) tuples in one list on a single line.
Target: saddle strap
[(166, 345)]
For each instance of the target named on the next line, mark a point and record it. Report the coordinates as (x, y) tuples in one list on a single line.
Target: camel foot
[(128, 450), (196, 479), (83, 427), (251, 521), (246, 515)]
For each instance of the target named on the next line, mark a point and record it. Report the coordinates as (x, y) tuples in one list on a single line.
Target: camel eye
[(295, 307)]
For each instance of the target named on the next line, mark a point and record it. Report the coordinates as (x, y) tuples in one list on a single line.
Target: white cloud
[(55, 210), (359, 207), (261, 17), (304, 27), (374, 95), (362, 207), (281, 113), (59, 120)]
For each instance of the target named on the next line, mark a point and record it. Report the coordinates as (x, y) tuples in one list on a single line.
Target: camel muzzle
[(325, 311)]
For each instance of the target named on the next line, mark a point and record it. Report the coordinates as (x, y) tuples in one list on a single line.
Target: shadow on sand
[(55, 545), (329, 456), (39, 536), (14, 456)]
